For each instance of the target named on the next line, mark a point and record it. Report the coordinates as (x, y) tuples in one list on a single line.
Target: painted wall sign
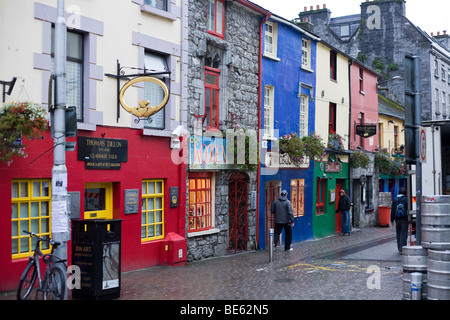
[(333, 167), (99, 153), (207, 153), (144, 110)]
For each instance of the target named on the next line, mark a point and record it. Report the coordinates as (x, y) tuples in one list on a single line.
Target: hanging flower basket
[(297, 151), (359, 159), (20, 121), (335, 141), (387, 165)]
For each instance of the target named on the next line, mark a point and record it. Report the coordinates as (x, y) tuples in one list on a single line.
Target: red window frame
[(332, 118), (200, 202), (320, 200), (333, 65), (217, 33), (212, 92)]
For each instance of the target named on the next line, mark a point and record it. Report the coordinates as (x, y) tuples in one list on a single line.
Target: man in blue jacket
[(284, 218)]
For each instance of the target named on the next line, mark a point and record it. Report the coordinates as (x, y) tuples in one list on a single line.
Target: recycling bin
[(96, 250)]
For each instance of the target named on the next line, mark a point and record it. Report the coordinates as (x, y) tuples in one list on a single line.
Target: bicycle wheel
[(27, 281), (55, 285)]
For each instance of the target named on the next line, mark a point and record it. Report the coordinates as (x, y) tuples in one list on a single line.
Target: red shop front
[(113, 173)]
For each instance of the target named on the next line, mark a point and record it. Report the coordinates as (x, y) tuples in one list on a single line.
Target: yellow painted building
[(391, 125)]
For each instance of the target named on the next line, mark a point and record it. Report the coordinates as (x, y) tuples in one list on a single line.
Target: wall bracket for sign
[(144, 110)]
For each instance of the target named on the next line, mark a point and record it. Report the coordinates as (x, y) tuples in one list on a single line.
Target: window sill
[(158, 12), (266, 55), (307, 69), (202, 233)]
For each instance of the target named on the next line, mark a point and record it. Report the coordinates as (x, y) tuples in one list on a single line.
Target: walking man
[(399, 214), (344, 207), (284, 218)]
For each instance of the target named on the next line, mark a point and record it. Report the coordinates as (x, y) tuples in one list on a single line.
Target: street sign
[(422, 145)]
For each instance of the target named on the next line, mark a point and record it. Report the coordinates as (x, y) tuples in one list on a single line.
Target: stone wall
[(236, 56)]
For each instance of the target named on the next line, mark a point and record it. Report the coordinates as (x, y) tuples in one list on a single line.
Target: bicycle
[(53, 285)]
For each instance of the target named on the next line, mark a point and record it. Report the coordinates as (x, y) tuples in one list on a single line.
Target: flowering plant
[(359, 159), (251, 148), (18, 121), (297, 150), (387, 165), (335, 141)]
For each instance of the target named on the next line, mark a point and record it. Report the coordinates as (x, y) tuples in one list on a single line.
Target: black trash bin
[(96, 250)]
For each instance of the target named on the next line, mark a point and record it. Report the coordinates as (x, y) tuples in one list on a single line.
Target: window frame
[(320, 197), (146, 224), (306, 54), (208, 216), (332, 117), (212, 88), (30, 198), (437, 101), (333, 65), (166, 2), (298, 197), (268, 127), (215, 32), (273, 35), (304, 101)]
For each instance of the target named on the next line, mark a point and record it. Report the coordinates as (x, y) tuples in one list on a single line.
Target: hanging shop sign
[(99, 153), (333, 167), (144, 110), (366, 130)]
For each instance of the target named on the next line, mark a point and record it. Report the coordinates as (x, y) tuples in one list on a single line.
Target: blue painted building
[(288, 91)]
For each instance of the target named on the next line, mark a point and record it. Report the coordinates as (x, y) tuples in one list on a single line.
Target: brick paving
[(324, 269)]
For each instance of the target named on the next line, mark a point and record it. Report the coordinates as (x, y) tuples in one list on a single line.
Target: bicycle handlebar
[(52, 242)]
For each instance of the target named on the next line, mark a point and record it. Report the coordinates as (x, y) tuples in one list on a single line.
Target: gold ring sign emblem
[(144, 110)]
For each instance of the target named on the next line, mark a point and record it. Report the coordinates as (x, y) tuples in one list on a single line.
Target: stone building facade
[(224, 67)]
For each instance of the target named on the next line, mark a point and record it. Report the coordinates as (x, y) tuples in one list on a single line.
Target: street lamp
[(395, 78)]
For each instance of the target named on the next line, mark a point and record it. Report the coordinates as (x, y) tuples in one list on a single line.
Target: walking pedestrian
[(344, 207), (399, 214), (284, 219)]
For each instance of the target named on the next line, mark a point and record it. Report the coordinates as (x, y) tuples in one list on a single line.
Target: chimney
[(324, 6), (305, 9)]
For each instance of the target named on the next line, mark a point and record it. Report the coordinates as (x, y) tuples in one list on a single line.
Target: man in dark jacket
[(399, 214), (284, 218), (344, 207)]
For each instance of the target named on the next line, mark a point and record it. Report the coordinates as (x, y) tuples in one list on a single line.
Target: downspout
[(258, 172), (350, 178)]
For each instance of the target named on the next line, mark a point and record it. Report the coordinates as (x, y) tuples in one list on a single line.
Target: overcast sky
[(429, 15)]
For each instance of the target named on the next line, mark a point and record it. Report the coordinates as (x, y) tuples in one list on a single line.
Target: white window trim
[(274, 35), (308, 58), (305, 98), (270, 134)]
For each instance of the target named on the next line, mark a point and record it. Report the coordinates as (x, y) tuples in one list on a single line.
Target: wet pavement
[(364, 266)]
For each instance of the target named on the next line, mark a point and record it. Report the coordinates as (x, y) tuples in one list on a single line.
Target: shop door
[(98, 200), (237, 209), (339, 186), (273, 190)]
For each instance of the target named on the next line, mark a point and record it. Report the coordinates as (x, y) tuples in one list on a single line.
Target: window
[(216, 17), (158, 4), (436, 98), (381, 135), (333, 65), (448, 76), (436, 68), (298, 197), (303, 125), (270, 39), (200, 202), (444, 103), (31, 200), (345, 30), (443, 73), (152, 213), (332, 118), (74, 70), (361, 80), (268, 111), (212, 91), (395, 137), (320, 200), (306, 53), (153, 92)]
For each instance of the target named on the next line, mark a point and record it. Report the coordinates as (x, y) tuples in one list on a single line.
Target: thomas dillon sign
[(100, 153)]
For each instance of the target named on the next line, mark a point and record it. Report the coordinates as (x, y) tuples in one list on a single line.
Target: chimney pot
[(317, 7), (324, 6), (432, 34), (311, 8), (445, 32), (305, 9), (438, 33)]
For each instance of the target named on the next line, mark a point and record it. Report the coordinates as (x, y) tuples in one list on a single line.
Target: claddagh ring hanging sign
[(144, 110)]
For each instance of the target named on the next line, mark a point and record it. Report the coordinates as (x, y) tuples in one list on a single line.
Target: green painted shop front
[(329, 178)]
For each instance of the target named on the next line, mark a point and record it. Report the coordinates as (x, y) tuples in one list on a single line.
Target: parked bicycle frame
[(53, 284)]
